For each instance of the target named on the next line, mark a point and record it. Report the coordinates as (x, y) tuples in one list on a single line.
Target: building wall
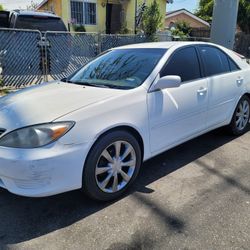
[(183, 17), (101, 16), (62, 8), (54, 6)]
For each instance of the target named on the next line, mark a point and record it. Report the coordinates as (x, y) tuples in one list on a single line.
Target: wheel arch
[(245, 94), (127, 128), (133, 131)]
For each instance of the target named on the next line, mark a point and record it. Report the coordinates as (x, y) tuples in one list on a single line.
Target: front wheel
[(240, 121), (112, 165)]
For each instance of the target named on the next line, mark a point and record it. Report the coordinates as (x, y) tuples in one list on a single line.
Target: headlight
[(36, 136)]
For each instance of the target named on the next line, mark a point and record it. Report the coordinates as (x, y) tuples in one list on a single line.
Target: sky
[(190, 5), (16, 4), (178, 4)]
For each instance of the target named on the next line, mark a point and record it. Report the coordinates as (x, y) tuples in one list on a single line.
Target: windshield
[(121, 68), (40, 23)]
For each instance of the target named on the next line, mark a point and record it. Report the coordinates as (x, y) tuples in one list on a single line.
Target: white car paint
[(163, 119)]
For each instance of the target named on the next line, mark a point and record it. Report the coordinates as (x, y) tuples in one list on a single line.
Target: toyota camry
[(93, 130)]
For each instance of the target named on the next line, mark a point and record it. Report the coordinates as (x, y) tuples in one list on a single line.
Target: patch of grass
[(4, 91)]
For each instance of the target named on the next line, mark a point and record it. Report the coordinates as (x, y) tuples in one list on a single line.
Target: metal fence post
[(46, 58)]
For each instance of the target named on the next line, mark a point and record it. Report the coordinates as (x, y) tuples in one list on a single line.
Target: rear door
[(4, 19), (224, 84)]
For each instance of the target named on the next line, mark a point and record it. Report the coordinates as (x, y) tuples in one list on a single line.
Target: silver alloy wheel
[(115, 167), (242, 115)]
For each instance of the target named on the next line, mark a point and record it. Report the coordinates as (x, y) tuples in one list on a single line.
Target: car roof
[(35, 13), (175, 45), (159, 45)]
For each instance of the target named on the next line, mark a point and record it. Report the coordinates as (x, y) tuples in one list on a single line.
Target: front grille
[(2, 131)]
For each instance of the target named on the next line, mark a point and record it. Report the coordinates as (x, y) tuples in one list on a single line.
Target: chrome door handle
[(202, 91)]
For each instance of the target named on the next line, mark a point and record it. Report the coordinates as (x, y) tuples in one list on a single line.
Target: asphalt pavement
[(195, 196)]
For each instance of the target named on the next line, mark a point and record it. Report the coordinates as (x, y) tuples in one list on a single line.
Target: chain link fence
[(111, 41), (20, 57), (66, 52), (242, 44), (29, 57)]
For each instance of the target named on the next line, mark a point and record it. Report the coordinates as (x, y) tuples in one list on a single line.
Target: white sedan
[(94, 129)]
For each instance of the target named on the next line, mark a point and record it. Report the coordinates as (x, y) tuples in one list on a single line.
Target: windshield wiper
[(111, 86), (89, 84)]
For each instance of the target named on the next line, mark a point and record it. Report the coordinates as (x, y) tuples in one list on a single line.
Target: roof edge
[(177, 12), (41, 4)]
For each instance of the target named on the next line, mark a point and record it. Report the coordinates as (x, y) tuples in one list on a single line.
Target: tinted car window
[(41, 23), (183, 63), (215, 61), (233, 65), (4, 19)]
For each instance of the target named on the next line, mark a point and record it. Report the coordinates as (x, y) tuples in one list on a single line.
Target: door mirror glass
[(168, 82)]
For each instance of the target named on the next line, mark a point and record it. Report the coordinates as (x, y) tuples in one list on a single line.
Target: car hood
[(47, 102)]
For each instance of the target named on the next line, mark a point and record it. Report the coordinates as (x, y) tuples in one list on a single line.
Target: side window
[(215, 61), (233, 65), (183, 63)]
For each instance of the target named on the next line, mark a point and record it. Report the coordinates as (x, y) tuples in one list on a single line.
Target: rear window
[(40, 23), (233, 65), (4, 19), (215, 61)]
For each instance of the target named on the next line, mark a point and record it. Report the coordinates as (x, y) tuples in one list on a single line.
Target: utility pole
[(224, 22)]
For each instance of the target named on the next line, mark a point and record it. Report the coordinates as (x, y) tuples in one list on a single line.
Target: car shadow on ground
[(23, 219)]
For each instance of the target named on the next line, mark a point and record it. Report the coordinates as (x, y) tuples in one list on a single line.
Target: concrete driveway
[(196, 196)]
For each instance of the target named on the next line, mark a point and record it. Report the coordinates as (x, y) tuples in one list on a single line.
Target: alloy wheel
[(242, 115), (115, 166)]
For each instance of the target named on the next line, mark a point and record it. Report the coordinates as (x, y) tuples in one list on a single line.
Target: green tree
[(151, 20), (1, 7), (182, 29), (205, 11), (244, 16)]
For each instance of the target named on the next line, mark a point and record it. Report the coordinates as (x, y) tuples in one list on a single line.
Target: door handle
[(202, 91), (240, 81)]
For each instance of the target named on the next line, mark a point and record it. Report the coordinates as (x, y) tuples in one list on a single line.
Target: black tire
[(90, 186), (233, 129)]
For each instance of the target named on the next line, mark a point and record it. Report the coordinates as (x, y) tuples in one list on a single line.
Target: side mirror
[(168, 82)]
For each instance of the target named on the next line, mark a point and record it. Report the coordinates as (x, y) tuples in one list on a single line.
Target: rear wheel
[(240, 121), (111, 166)]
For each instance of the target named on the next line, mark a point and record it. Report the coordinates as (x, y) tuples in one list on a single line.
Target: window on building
[(90, 13), (83, 12)]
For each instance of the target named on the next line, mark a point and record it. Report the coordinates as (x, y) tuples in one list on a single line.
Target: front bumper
[(43, 171)]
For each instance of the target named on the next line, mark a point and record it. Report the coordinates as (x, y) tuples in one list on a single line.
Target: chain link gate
[(20, 57), (30, 57), (66, 52), (112, 41)]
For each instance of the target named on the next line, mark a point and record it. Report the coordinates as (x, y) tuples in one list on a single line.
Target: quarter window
[(183, 63), (233, 65), (83, 12), (215, 61)]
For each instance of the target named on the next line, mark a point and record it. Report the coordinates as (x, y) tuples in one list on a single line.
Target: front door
[(177, 114), (113, 18)]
